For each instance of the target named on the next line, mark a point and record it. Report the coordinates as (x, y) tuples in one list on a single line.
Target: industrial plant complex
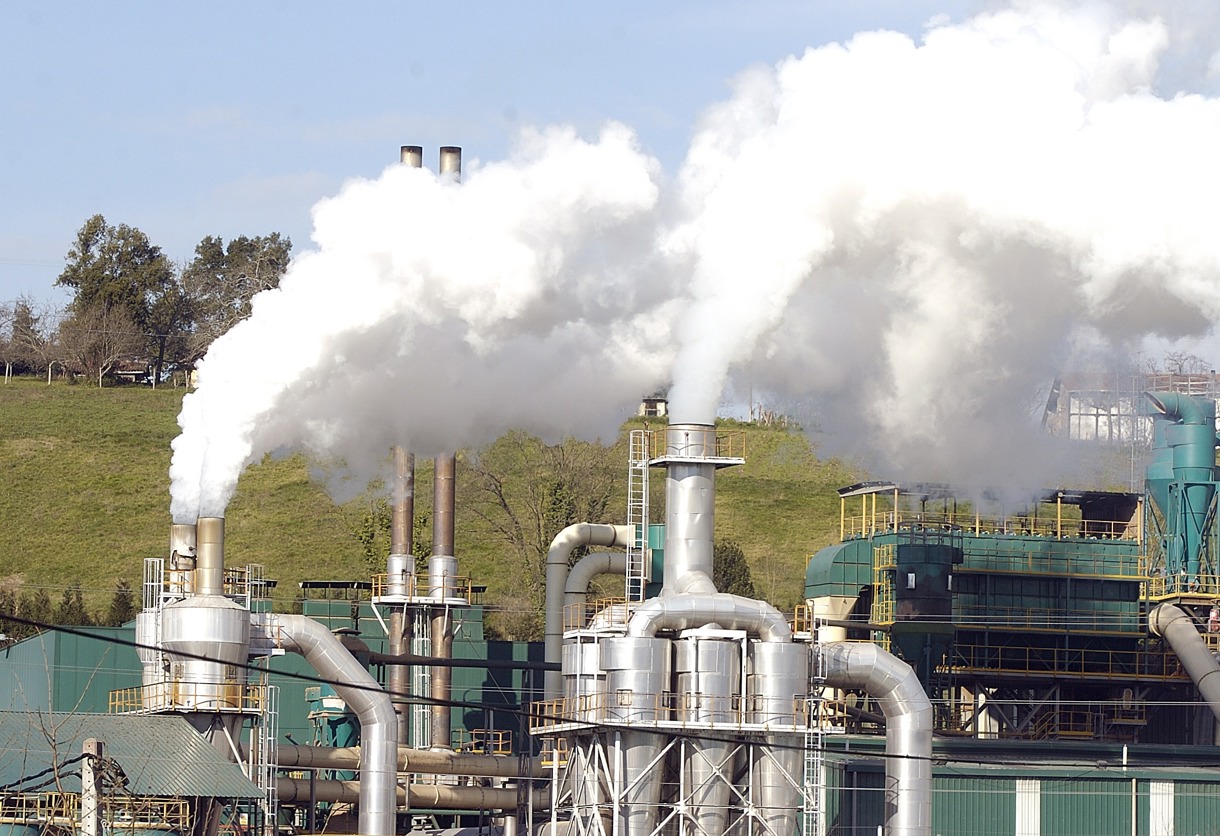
[(961, 664)]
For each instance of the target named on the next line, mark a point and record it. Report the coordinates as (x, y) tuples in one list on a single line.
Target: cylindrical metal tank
[(779, 678), (708, 678), (216, 629), (637, 677)]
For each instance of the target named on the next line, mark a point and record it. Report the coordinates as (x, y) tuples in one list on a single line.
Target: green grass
[(84, 497)]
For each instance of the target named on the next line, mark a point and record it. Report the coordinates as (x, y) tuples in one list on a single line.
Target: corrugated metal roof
[(161, 755)]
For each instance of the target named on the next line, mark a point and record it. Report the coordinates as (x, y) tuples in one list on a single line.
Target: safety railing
[(189, 696), (554, 751), (1181, 585), (602, 613), (420, 587), (483, 741), (1083, 663), (675, 710), (1047, 618), (716, 444), (872, 522)]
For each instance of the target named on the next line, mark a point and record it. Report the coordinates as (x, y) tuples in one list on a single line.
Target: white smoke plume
[(912, 235)]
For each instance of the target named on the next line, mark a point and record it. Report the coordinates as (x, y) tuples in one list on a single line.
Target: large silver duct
[(427, 796), (1177, 628), (557, 556), (372, 706), (582, 573), (908, 728), (731, 612), (424, 761)]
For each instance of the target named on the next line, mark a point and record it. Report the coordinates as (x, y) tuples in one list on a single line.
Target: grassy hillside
[(85, 498)]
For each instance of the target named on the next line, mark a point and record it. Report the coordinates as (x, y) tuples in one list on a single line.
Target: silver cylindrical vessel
[(637, 680), (779, 680), (206, 639), (210, 560), (690, 502)]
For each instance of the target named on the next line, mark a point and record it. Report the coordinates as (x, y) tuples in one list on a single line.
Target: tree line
[(37, 606), (132, 310)]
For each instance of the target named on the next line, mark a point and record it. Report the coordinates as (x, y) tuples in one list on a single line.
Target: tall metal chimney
[(442, 565)]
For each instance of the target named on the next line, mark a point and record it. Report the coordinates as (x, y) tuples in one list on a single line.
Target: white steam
[(912, 236)]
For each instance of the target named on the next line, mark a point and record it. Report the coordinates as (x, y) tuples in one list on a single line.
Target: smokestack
[(400, 565), (690, 502), (210, 560), (442, 565), (412, 155)]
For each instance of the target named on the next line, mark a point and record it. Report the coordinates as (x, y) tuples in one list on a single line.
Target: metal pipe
[(731, 612), (1178, 628), (210, 557), (411, 155), (372, 706), (424, 761), (566, 541), (576, 588), (442, 569), (183, 549), (420, 796), (400, 569), (451, 163), (908, 728)]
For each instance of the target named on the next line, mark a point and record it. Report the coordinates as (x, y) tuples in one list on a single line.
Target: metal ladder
[(812, 781), (268, 755), (638, 568)]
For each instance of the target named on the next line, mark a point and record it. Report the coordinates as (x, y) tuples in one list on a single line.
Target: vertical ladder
[(638, 568), (268, 755), (813, 784)]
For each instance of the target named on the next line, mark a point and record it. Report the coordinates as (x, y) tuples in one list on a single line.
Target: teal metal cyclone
[(1181, 479)]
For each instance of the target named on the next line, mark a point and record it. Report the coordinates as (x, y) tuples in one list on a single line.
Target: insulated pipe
[(1177, 628), (210, 558), (423, 761), (576, 588), (565, 542), (731, 612), (908, 728), (426, 796), (372, 706)]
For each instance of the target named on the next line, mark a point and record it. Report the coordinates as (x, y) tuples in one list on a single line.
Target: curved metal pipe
[(378, 723), (1177, 406), (1178, 628), (576, 588), (425, 761), (732, 612), (908, 728), (565, 542)]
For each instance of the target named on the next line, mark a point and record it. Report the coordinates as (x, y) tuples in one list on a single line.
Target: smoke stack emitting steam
[(914, 235)]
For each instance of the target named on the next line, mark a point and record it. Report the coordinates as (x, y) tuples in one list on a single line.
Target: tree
[(94, 340), (171, 316), (1182, 363), (71, 609), (122, 606), (730, 572), (115, 267), (34, 335), (523, 492), (8, 353), (222, 279)]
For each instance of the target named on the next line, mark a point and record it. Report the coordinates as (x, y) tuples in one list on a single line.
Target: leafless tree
[(1183, 362), (97, 338), (34, 334)]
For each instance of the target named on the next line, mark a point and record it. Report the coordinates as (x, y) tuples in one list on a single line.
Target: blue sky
[(228, 118)]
